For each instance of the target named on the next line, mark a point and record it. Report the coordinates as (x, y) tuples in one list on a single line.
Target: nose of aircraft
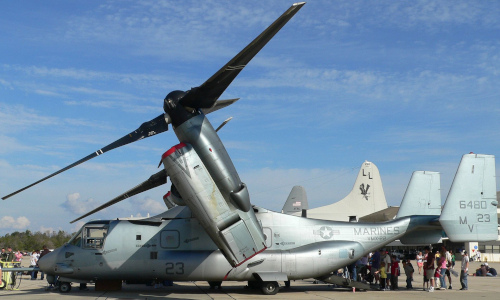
[(48, 261)]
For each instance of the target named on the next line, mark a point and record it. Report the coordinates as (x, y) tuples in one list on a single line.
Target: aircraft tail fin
[(296, 201), (470, 210), (422, 196), (366, 197)]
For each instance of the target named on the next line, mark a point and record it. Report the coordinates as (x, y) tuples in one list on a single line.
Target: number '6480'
[(472, 204)]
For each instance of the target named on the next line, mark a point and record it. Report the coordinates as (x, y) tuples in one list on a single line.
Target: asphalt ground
[(479, 287)]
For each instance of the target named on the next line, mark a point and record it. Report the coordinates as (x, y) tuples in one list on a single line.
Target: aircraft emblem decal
[(369, 174), (364, 191), (326, 232)]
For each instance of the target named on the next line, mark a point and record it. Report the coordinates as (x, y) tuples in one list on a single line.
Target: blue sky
[(408, 85)]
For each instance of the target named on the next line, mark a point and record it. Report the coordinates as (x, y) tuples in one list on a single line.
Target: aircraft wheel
[(65, 287), (3, 284), (270, 288)]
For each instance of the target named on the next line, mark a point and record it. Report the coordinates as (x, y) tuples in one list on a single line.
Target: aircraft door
[(268, 235)]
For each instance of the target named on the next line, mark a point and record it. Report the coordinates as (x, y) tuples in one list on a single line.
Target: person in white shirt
[(464, 270), (33, 263)]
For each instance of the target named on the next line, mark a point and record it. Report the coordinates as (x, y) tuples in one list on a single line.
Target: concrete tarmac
[(479, 287)]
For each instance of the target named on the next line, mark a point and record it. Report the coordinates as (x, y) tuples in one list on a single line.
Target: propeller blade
[(218, 105), (153, 181), (223, 123), (147, 129), (205, 95)]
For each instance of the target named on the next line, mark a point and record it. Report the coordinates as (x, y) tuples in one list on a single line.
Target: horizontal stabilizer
[(422, 196), (423, 237), (381, 215), (296, 201), (470, 211)]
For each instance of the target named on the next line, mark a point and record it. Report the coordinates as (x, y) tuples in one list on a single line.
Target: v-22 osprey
[(215, 233)]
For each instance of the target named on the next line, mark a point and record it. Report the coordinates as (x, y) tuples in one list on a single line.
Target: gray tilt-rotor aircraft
[(215, 234)]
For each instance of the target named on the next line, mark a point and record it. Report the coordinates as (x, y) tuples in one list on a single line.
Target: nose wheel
[(65, 287), (270, 287)]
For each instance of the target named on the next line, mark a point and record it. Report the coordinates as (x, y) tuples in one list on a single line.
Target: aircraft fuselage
[(174, 246)]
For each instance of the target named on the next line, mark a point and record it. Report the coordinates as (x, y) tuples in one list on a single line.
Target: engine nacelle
[(235, 232), (169, 200)]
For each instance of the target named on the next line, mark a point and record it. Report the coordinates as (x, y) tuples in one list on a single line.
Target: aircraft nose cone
[(48, 261)]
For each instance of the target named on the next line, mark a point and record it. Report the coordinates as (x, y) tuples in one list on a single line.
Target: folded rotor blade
[(205, 95), (153, 181), (147, 129)]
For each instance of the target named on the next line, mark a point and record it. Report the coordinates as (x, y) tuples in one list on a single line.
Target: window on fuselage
[(76, 240), (94, 235)]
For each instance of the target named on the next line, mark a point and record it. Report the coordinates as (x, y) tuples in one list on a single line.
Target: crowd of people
[(9, 256), (435, 267)]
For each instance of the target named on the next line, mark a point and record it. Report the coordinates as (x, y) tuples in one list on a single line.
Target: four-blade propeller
[(179, 106)]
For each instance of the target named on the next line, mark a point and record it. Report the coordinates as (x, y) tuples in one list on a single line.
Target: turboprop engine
[(235, 232)]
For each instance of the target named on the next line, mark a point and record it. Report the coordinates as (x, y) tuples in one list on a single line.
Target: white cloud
[(14, 118), (19, 223), (148, 205), (79, 207), (44, 229), (77, 225)]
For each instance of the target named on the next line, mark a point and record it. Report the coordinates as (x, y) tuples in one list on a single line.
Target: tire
[(3, 284), (270, 288), (65, 287)]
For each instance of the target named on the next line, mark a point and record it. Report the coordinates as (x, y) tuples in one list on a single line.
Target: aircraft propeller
[(180, 106), (153, 181)]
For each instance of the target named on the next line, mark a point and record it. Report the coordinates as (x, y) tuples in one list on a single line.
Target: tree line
[(29, 241)]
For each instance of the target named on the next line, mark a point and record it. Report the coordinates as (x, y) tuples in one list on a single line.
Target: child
[(383, 275), (437, 277), (409, 273)]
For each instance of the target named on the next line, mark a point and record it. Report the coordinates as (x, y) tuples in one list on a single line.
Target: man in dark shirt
[(429, 266), (376, 265), (3, 255), (10, 255), (44, 252)]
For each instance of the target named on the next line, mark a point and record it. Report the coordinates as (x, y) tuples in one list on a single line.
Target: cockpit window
[(93, 235), (76, 239)]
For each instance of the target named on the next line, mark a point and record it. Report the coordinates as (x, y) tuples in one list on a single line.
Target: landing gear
[(270, 287), (215, 284), (65, 287), (254, 284)]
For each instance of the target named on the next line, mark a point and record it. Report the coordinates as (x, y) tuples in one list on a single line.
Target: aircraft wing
[(383, 215)]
